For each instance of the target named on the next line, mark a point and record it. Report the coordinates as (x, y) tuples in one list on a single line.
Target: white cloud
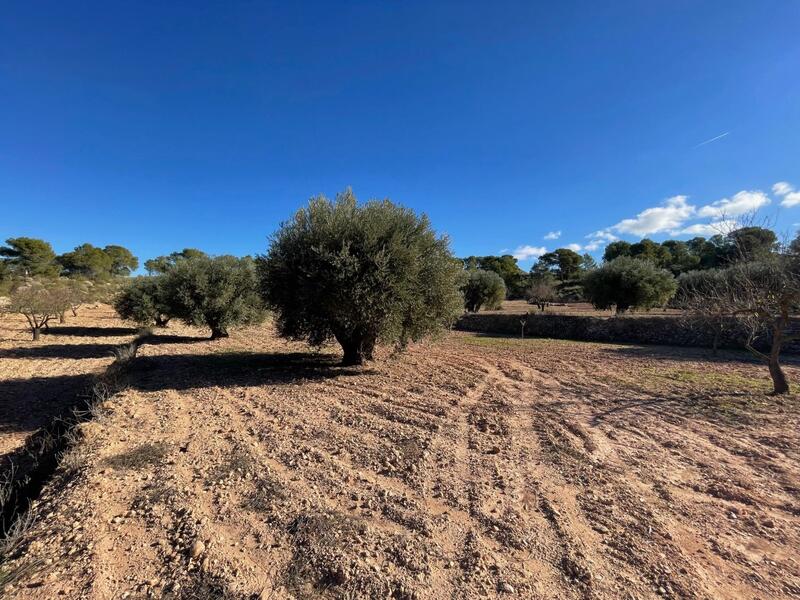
[(528, 252), (553, 235), (574, 247), (593, 245), (708, 229), (782, 188), (603, 234), (791, 197), (743, 202), (673, 213)]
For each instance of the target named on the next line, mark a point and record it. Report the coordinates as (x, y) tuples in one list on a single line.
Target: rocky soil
[(468, 467)]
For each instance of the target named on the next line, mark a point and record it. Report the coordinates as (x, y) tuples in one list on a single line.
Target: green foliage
[(86, 261), (616, 249), (483, 289), (144, 301), (359, 274), (563, 263), (29, 257), (751, 244), (588, 262), (162, 264), (506, 266), (123, 262), (628, 283), (217, 292)]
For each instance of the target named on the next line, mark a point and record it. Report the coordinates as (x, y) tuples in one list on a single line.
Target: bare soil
[(468, 467)]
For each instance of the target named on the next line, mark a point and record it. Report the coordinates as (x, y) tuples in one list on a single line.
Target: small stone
[(507, 588), (196, 549)]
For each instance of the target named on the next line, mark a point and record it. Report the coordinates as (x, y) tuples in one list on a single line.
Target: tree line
[(361, 274), (30, 257)]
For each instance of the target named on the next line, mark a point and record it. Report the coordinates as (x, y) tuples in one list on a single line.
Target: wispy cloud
[(574, 247), (528, 252), (713, 139), (553, 235)]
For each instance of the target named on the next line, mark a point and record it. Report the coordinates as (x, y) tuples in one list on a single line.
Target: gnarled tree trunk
[(357, 347), (779, 383)]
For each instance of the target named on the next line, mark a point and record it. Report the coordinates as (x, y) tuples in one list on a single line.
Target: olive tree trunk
[(357, 347), (779, 383), (219, 331)]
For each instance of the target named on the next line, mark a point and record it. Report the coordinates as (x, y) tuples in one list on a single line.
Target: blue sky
[(161, 125)]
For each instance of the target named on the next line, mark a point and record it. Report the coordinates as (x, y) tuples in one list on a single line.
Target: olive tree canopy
[(628, 283), (359, 274)]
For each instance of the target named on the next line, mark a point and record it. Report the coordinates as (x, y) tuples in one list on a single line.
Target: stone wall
[(661, 330)]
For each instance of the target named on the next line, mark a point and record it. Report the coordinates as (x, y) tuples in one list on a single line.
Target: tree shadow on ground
[(75, 331), (70, 351), (30, 403), (85, 351), (241, 369)]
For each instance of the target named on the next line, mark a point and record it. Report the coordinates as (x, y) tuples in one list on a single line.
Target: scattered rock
[(196, 549)]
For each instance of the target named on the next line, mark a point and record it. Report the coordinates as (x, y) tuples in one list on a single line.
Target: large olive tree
[(359, 274), (214, 292), (626, 283)]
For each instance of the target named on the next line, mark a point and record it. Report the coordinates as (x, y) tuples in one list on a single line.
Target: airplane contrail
[(714, 139)]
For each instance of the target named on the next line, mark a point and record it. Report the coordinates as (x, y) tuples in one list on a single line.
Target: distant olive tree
[(144, 301), (38, 302), (359, 274), (626, 283), (162, 264), (218, 293), (482, 289), (542, 293)]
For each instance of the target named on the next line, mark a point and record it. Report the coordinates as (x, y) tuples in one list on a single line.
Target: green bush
[(144, 301), (628, 283), (215, 292), (359, 274), (483, 289)]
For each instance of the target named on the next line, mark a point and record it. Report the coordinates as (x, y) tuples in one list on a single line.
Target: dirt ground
[(468, 467)]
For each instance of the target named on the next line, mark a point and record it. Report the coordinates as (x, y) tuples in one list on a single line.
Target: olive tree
[(482, 288), (38, 302), (359, 274), (217, 292), (626, 283), (762, 296), (144, 301), (542, 293)]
